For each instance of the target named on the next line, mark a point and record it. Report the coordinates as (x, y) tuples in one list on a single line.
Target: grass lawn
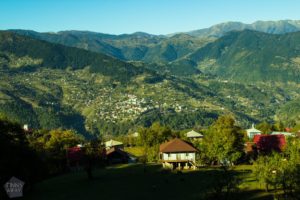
[(136, 151), (136, 182)]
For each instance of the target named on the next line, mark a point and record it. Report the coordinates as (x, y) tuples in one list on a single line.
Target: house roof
[(112, 143), (176, 145), (269, 142), (283, 133), (117, 150), (193, 134), (252, 129)]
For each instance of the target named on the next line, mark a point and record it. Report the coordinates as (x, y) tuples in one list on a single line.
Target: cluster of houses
[(180, 154), (274, 141)]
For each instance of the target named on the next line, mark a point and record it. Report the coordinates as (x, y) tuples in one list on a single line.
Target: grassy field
[(138, 182)]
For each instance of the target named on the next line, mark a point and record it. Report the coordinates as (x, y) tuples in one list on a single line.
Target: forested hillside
[(50, 86), (251, 56)]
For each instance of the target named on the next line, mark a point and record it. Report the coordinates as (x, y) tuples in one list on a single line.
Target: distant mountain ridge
[(272, 27), (159, 49)]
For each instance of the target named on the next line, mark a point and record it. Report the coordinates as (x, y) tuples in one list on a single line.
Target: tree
[(281, 170), (16, 156), (223, 141), (265, 127), (93, 155), (52, 147), (150, 138), (279, 126)]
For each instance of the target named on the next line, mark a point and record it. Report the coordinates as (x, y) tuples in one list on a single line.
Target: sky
[(128, 16)]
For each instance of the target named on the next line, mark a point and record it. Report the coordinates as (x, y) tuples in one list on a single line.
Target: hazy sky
[(128, 16)]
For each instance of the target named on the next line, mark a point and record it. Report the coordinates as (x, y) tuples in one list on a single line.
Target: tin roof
[(176, 145)]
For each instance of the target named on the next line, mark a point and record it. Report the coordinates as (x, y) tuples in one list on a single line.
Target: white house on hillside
[(193, 135), (252, 131), (286, 134), (113, 143), (177, 153)]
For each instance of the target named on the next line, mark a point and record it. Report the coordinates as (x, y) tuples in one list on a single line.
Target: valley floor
[(135, 181)]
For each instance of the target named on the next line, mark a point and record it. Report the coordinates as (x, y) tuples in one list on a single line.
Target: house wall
[(252, 134), (179, 156)]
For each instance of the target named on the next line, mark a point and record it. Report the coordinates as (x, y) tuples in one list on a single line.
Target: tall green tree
[(150, 138), (223, 141), (265, 127)]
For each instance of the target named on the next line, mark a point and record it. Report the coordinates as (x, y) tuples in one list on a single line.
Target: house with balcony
[(178, 154)]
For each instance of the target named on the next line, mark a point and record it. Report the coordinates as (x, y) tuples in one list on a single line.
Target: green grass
[(136, 182), (136, 151)]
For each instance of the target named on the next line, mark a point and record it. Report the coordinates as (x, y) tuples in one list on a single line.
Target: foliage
[(282, 171), (265, 127), (223, 141), (16, 157), (52, 147), (150, 138)]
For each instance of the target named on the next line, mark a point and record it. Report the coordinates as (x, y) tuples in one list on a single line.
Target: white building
[(252, 131), (135, 134), (113, 143), (286, 134), (177, 153), (194, 135)]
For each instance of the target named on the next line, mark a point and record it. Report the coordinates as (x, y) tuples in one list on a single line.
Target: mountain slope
[(52, 86), (58, 56), (251, 56), (272, 27), (131, 47)]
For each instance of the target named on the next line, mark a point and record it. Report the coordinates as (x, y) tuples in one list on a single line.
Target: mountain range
[(148, 48), (111, 84)]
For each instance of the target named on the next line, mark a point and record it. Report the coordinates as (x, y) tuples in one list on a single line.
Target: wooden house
[(177, 153)]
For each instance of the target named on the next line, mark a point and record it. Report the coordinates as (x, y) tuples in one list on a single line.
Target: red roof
[(75, 153), (267, 143), (288, 129), (176, 145)]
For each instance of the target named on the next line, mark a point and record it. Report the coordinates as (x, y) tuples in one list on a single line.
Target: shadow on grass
[(137, 181)]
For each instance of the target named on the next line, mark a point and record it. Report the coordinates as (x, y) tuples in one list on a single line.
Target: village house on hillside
[(113, 143), (268, 143), (115, 155), (194, 135), (286, 134), (252, 132), (178, 154)]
